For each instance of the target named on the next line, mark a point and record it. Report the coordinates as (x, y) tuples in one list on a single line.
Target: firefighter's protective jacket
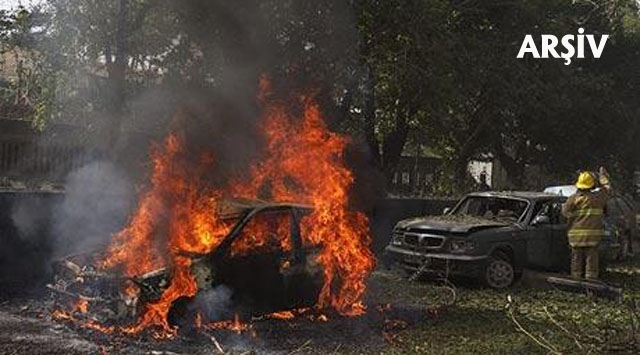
[(584, 211)]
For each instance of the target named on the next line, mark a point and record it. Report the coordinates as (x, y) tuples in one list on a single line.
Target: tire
[(499, 273)]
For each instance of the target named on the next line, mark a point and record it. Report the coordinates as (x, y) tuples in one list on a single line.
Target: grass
[(480, 322), (422, 320)]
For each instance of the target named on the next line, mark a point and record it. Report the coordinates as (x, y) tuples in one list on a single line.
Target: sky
[(9, 4)]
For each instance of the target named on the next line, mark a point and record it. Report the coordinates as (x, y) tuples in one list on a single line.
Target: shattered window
[(492, 208), (551, 209)]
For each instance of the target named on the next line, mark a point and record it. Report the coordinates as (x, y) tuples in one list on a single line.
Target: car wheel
[(499, 272)]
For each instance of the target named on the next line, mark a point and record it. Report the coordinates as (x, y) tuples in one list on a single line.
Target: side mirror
[(446, 210), (540, 219)]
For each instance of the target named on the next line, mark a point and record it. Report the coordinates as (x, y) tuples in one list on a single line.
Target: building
[(414, 176)]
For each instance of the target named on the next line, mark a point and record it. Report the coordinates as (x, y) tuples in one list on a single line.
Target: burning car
[(491, 236), (186, 241), (281, 273)]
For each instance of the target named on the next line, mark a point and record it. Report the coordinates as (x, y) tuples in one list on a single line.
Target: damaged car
[(620, 217), (275, 273), (491, 236)]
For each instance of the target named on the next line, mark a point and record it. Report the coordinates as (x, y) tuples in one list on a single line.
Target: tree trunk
[(370, 116), (513, 167), (395, 141), (116, 81), (461, 174)]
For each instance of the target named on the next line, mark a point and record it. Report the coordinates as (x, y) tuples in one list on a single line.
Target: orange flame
[(178, 202), (60, 314), (305, 164), (198, 320), (63, 315), (281, 315), (178, 214), (193, 225), (235, 325), (82, 305), (263, 233)]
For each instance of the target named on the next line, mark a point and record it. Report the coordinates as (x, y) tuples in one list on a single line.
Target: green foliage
[(403, 75), (30, 94), (480, 321), (454, 64)]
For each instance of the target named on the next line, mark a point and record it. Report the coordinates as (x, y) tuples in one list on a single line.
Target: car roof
[(563, 190), (527, 195), (235, 207)]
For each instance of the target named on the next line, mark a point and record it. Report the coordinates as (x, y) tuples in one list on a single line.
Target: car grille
[(411, 239), (422, 241), (432, 242)]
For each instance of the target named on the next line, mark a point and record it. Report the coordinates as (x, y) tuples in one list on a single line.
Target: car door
[(304, 278), (560, 252), (252, 268), (267, 266), (539, 234)]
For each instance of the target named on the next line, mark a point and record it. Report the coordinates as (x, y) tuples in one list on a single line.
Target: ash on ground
[(27, 326)]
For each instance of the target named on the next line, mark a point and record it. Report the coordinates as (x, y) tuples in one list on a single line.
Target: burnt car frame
[(526, 230), (266, 280)]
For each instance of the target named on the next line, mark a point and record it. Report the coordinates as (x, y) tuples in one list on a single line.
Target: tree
[(405, 49), (400, 75)]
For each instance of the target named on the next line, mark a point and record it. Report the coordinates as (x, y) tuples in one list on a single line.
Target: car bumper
[(436, 262)]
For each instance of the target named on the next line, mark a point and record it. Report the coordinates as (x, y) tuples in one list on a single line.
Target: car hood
[(449, 223)]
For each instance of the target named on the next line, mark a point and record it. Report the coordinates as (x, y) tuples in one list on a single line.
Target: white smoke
[(98, 199), (215, 304)]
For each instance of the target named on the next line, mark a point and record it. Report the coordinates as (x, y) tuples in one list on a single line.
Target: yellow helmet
[(585, 181)]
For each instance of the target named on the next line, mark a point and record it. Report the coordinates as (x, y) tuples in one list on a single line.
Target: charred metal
[(262, 282)]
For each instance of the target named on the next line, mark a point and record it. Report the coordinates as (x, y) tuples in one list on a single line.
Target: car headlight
[(462, 246), (397, 239)]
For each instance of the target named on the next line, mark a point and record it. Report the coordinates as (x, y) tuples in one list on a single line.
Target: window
[(498, 208), (267, 231), (551, 209), (406, 178)]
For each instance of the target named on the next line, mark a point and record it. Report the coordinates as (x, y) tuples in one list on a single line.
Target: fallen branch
[(215, 342), (540, 341), (302, 347), (557, 324)]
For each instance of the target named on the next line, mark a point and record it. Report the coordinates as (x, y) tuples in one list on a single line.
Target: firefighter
[(584, 211)]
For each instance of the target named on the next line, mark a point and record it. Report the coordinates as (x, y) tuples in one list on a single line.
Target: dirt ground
[(402, 318)]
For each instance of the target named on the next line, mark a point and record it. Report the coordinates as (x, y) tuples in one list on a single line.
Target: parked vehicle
[(620, 216), (562, 190), (622, 212), (491, 236)]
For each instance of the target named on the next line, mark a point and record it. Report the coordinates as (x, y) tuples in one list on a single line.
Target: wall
[(26, 240)]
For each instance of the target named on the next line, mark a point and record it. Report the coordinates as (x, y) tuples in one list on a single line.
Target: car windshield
[(499, 208), (564, 190)]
